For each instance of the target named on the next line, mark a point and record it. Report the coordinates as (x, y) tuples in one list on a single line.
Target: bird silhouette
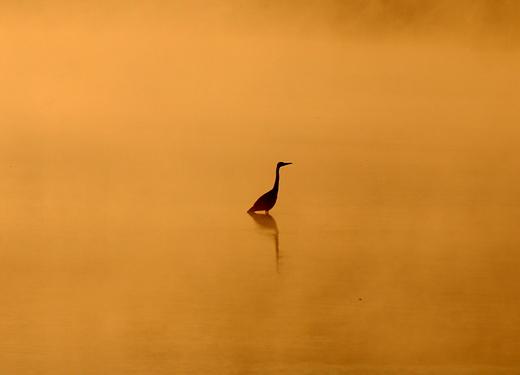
[(268, 200)]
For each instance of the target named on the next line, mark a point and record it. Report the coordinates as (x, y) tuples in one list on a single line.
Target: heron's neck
[(277, 180)]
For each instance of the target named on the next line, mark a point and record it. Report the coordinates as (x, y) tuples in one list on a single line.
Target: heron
[(268, 200)]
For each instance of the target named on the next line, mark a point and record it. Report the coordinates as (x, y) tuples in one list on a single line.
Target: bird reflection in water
[(268, 227)]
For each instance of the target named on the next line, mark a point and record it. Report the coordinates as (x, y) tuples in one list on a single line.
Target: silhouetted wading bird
[(268, 200)]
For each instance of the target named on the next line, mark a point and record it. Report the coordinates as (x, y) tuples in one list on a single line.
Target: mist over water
[(135, 136)]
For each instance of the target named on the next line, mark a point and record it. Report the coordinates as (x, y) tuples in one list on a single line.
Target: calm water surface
[(126, 248), (368, 262)]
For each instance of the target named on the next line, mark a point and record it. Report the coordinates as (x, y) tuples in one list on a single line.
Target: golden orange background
[(135, 135)]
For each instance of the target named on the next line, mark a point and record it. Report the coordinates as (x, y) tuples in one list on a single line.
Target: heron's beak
[(286, 164)]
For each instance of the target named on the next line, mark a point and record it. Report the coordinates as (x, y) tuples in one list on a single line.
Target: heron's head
[(281, 164)]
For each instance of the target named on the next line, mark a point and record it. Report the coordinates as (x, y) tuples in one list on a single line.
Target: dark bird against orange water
[(268, 200)]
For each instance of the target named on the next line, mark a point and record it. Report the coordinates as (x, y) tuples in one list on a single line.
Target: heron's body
[(268, 200)]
